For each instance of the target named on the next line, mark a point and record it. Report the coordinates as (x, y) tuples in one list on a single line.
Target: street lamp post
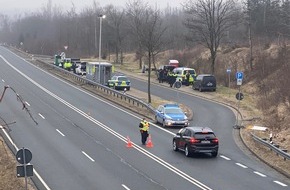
[(100, 45)]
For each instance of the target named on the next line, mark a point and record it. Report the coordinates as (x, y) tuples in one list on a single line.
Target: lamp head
[(102, 16)]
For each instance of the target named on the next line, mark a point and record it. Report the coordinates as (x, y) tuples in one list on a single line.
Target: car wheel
[(163, 124), (174, 145), (200, 89), (214, 154), (187, 151), (156, 121)]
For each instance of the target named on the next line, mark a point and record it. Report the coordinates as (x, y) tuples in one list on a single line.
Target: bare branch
[(19, 98)]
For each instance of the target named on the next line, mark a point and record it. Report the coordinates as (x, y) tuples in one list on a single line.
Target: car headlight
[(168, 120)]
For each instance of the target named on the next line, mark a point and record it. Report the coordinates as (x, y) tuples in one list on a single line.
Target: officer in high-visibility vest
[(187, 77), (144, 129), (171, 78)]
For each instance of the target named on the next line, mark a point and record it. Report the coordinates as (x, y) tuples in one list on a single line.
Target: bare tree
[(209, 20), (249, 23), (149, 31), (135, 14), (116, 22), (19, 98), (4, 28), (151, 39)]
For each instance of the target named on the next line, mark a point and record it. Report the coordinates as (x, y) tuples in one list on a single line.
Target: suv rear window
[(204, 135), (208, 78)]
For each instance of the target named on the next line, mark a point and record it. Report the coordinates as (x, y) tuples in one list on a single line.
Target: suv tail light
[(215, 140), (193, 140)]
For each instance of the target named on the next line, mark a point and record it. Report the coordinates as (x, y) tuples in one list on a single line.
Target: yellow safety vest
[(145, 125)]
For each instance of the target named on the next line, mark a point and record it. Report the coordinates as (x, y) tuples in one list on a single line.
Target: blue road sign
[(240, 75)]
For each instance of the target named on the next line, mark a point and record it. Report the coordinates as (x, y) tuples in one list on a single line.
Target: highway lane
[(63, 161), (223, 176), (56, 153), (218, 117)]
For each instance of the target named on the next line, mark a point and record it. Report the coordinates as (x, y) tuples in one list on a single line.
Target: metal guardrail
[(112, 92), (43, 56), (137, 102), (272, 147)]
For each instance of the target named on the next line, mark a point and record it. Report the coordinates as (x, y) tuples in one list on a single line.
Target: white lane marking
[(280, 183), (3, 80), (108, 129), (34, 170), (88, 156), (241, 165), (41, 116), (125, 187), (60, 132), (224, 157), (260, 174), (27, 103), (108, 103)]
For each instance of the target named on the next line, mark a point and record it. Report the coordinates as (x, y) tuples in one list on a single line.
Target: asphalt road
[(80, 140)]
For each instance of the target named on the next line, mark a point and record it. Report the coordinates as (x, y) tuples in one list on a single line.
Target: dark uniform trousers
[(144, 135)]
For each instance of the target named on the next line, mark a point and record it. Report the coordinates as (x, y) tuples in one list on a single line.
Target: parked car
[(204, 82), (167, 67), (119, 82), (162, 72), (196, 140), (171, 115), (81, 68), (181, 74)]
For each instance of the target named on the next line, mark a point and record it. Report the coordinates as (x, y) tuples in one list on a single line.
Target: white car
[(81, 69)]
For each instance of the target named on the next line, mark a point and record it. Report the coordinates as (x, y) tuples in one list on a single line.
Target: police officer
[(187, 76), (144, 128), (171, 78)]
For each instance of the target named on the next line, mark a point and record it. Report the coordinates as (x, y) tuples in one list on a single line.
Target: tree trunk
[(122, 58), (251, 45), (140, 56), (153, 60), (117, 55), (149, 76), (213, 57)]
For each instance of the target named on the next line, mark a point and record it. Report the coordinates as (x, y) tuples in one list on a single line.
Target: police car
[(119, 82), (181, 74), (171, 115)]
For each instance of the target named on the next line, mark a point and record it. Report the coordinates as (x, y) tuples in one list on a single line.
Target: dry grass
[(9, 180)]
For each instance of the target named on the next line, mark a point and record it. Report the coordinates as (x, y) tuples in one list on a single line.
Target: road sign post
[(177, 85), (23, 157), (229, 75), (239, 96)]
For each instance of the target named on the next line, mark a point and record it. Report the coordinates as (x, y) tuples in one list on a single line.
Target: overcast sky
[(12, 7)]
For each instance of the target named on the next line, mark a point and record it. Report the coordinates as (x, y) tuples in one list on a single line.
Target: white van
[(181, 72)]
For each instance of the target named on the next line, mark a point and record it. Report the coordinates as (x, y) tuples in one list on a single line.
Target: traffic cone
[(149, 143), (129, 143)]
